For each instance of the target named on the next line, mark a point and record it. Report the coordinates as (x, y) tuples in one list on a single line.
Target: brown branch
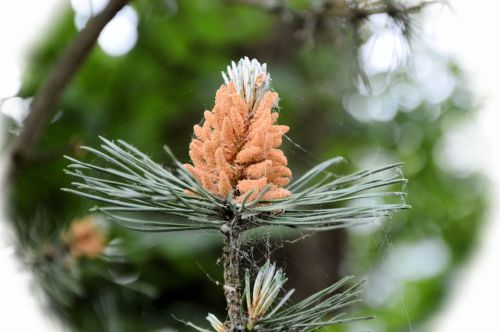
[(232, 283), (45, 101)]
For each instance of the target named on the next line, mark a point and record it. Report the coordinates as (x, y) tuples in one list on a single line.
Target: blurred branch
[(352, 11), (392, 8), (38, 158), (47, 98), (327, 20)]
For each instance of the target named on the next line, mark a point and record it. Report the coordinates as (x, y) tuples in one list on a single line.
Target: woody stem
[(232, 284)]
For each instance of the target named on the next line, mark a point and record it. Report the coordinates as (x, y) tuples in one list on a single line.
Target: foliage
[(138, 185)]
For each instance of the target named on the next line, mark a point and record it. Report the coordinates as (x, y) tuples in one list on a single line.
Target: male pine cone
[(237, 148)]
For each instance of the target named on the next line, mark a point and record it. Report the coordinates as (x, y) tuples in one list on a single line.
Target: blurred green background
[(407, 109)]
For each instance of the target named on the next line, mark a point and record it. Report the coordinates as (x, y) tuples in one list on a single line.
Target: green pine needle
[(140, 194)]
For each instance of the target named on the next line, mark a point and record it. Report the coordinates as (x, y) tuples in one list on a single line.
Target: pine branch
[(267, 311), (234, 188), (232, 286), (140, 194), (310, 208)]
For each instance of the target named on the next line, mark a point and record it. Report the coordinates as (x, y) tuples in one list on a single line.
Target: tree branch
[(340, 9), (232, 283), (45, 101)]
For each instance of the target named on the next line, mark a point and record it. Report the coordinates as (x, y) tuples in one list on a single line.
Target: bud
[(84, 238)]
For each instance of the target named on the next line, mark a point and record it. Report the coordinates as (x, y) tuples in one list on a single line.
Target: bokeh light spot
[(460, 151), (407, 262), (88, 7), (384, 51), (16, 108), (120, 35), (10, 80)]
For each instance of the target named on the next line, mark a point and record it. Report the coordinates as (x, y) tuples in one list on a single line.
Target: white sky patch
[(371, 108), (21, 24), (405, 262), (120, 35), (381, 53), (435, 81), (420, 260), (16, 108), (408, 96), (470, 33), (21, 309), (460, 152), (386, 49), (88, 8), (85, 9), (10, 78)]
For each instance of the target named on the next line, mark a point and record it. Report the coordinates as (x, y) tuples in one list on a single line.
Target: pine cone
[(238, 146)]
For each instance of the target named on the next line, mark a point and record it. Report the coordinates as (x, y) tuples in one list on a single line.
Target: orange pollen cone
[(238, 146)]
